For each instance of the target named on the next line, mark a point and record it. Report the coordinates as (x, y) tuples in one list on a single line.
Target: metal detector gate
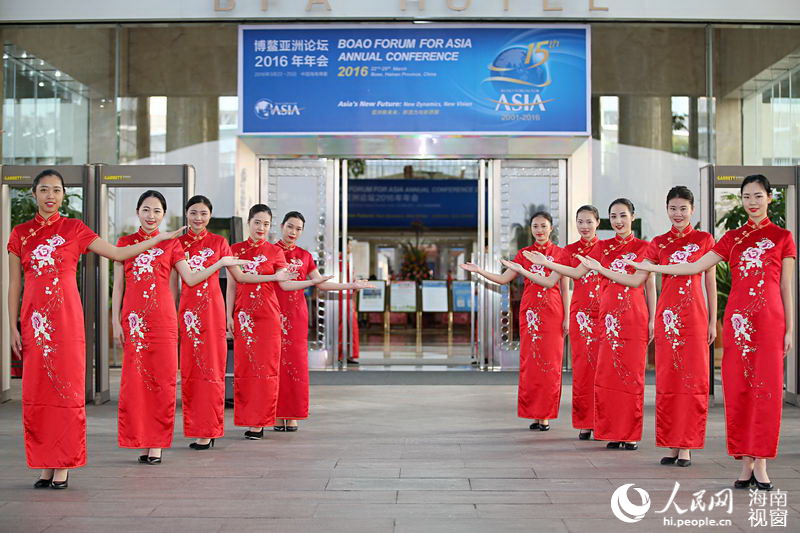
[(118, 188), (719, 180), (16, 182)]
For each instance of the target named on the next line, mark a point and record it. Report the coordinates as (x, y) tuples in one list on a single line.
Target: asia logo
[(519, 74), (267, 108), (624, 509)]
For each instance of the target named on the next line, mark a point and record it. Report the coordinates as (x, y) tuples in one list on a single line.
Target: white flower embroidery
[(584, 322), (294, 265), (741, 326), (198, 262), (619, 266), (40, 325), (533, 320), (751, 257), (143, 263), (43, 254), (192, 323), (539, 269), (612, 325), (245, 322), (682, 256), (135, 324), (670, 322), (252, 266)]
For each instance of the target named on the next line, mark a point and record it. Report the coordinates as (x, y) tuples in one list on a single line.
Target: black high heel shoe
[(630, 445), (42, 483), (254, 435), (544, 427), (290, 428), (744, 483), (149, 459), (196, 446), (685, 462), (762, 486), (534, 426), (281, 427), (60, 484), (613, 445), (585, 435)]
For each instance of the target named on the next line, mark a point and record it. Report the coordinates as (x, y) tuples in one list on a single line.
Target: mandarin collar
[(626, 240), (144, 235), (593, 240), (763, 223), (253, 242), (194, 237), (681, 233), (285, 246), (541, 247), (49, 221)]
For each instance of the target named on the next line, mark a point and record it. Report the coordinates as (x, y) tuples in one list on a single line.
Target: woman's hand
[(16, 341), (537, 258), (565, 326), (511, 265), (589, 262), (229, 325), (712, 332), (322, 279), (170, 235), (361, 284), (230, 261), (651, 331), (119, 336), (787, 342), (470, 267), (285, 275), (642, 265)]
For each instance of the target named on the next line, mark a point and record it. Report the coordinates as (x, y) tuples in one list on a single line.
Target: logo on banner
[(267, 108), (519, 74)]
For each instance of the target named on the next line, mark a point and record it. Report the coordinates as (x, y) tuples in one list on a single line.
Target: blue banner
[(404, 203), (531, 80)]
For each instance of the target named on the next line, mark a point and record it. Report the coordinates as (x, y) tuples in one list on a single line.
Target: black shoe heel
[(585, 435), (613, 445), (685, 462), (630, 445), (254, 435), (42, 483), (60, 484), (744, 483), (196, 446), (762, 486), (534, 426), (544, 427)]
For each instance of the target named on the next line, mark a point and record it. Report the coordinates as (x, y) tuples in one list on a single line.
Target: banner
[(488, 79)]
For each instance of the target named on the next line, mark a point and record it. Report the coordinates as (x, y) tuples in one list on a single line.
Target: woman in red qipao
[(757, 330), (685, 326), (47, 249), (254, 320), (583, 325), (147, 328), (201, 323), (293, 382), (627, 315), (542, 325)]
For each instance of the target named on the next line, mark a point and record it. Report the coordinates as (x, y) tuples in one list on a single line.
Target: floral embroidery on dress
[(751, 257), (143, 263), (584, 322), (198, 262), (42, 255), (682, 256), (252, 266), (618, 265), (539, 270), (192, 323)]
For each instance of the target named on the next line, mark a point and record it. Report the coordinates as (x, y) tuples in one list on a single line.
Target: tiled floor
[(400, 458)]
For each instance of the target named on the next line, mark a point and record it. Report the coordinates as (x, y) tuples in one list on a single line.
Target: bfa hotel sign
[(420, 6)]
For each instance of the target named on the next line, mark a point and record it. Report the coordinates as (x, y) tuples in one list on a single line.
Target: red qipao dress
[(681, 331), (752, 337), (203, 347), (622, 355), (293, 389), (584, 332), (150, 352), (257, 337), (53, 342), (541, 351)]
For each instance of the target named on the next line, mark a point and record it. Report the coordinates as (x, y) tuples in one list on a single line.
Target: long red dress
[(584, 331), (203, 347), (622, 355), (293, 388), (257, 338), (752, 336), (150, 351), (53, 342), (541, 351), (681, 331)]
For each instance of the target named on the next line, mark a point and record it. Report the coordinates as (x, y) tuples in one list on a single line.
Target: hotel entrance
[(406, 224)]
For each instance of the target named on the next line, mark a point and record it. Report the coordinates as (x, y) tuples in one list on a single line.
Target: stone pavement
[(401, 458)]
